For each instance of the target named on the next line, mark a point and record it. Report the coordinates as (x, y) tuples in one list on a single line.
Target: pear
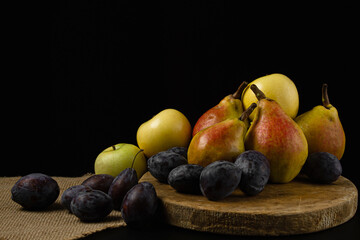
[(322, 128), (278, 87), (229, 107), (221, 141), (276, 135), (167, 129)]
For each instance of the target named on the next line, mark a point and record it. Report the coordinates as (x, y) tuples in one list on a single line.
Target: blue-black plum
[(255, 171), (322, 167), (140, 205), (219, 179), (35, 191), (186, 178), (71, 192), (91, 206), (100, 182), (179, 150), (121, 185), (160, 164)]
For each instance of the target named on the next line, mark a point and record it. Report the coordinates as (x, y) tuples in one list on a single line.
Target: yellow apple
[(116, 158), (169, 128), (277, 87)]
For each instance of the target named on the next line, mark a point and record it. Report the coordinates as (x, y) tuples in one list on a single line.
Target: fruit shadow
[(107, 219), (304, 179), (52, 208), (236, 196), (111, 219)]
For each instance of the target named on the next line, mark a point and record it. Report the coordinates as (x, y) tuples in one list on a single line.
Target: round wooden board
[(281, 209)]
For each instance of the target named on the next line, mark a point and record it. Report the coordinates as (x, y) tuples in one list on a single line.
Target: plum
[(179, 150), (162, 163), (35, 191), (255, 171), (91, 206), (186, 178), (140, 205), (219, 179), (322, 167), (71, 192), (100, 182), (121, 185)]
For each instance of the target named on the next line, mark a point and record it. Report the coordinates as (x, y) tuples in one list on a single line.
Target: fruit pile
[(250, 138), (94, 199), (253, 136)]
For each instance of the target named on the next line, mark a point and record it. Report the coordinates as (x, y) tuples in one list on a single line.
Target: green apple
[(116, 158), (277, 87), (169, 128)]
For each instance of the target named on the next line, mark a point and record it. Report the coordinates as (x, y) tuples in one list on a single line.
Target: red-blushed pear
[(322, 128), (278, 137), (221, 141), (229, 107)]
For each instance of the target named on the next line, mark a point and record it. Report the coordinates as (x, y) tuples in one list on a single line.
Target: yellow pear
[(277, 87), (169, 128), (322, 128)]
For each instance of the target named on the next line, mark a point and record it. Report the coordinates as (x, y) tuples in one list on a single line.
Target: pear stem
[(325, 96), (113, 146), (258, 93), (247, 112), (135, 157), (240, 89)]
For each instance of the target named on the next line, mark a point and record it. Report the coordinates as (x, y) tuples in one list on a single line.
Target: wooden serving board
[(281, 209)]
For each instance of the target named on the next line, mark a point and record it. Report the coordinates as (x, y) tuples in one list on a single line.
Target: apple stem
[(247, 112), (135, 157), (240, 89), (113, 146), (325, 96), (258, 93)]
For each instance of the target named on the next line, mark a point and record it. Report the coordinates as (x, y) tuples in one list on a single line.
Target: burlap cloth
[(54, 223)]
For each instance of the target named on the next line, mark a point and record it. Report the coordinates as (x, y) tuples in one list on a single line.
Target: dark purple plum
[(140, 205), (179, 150), (322, 167), (35, 191), (186, 178), (91, 206), (219, 179), (121, 185), (255, 171), (162, 163), (100, 182), (71, 192)]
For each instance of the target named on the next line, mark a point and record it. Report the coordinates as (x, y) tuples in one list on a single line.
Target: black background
[(83, 75), (88, 73)]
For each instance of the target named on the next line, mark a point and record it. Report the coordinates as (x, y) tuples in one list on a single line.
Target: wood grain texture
[(281, 209)]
